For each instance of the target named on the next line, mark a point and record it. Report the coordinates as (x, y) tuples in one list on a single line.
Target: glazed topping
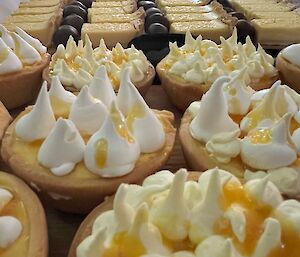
[(275, 144), (76, 65), (291, 53), (203, 61), (265, 135), (112, 150), (66, 147), (140, 119), (10, 227), (18, 50), (216, 216), (82, 129)]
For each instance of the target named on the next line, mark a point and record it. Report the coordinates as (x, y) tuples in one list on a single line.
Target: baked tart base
[(21, 87), (289, 73), (33, 242), (196, 155), (182, 93), (80, 191)]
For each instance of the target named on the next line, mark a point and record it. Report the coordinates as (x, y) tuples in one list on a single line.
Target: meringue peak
[(42, 114), (62, 149), (101, 87), (213, 104)]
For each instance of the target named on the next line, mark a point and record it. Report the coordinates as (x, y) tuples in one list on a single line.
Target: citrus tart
[(75, 65), (75, 150), (249, 133), (187, 72), (178, 214), (22, 61), (23, 228), (288, 65)]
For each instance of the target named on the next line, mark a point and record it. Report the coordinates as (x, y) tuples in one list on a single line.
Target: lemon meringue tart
[(288, 65), (22, 61), (76, 65), (23, 228), (186, 215), (187, 72), (251, 134), (85, 146)]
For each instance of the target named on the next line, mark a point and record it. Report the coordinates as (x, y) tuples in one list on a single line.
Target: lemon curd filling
[(16, 209), (127, 244)]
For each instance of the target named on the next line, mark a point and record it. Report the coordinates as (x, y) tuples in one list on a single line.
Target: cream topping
[(291, 53), (217, 223), (17, 50), (218, 60), (10, 227), (101, 87), (140, 119), (32, 41), (10, 230), (112, 151), (62, 149), (268, 142), (5, 197), (273, 142), (224, 146), (41, 114), (6, 37), (238, 94), (28, 54), (115, 140), (9, 61), (77, 64), (87, 113), (213, 104), (57, 92)]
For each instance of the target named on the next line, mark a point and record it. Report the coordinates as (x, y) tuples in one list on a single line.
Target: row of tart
[(186, 72), (66, 131)]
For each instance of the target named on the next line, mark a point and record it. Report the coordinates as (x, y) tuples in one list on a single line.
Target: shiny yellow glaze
[(261, 136), (136, 112), (101, 153)]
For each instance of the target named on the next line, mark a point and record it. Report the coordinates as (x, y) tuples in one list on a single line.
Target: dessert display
[(187, 72), (181, 215), (23, 229), (276, 22), (249, 133), (75, 150), (288, 65), (38, 18), (76, 65), (23, 59)]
